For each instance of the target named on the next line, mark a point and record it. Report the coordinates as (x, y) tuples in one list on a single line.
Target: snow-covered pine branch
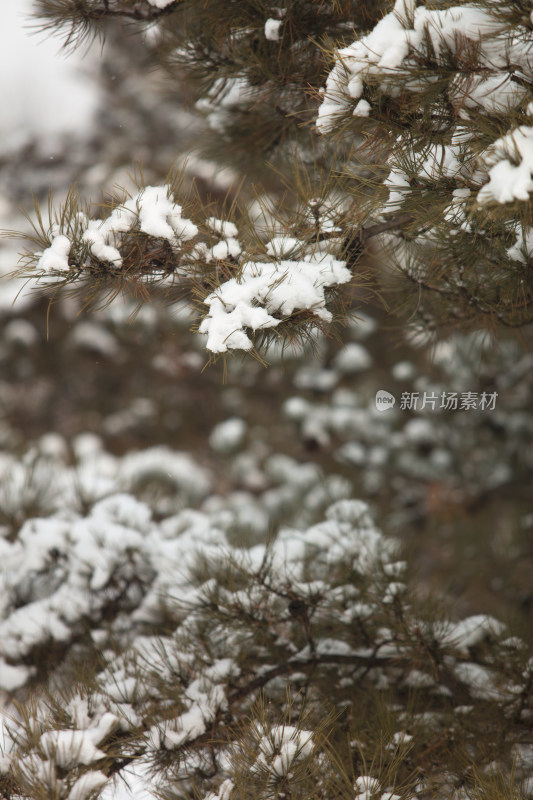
[(247, 668), (448, 92), (147, 241), (442, 98)]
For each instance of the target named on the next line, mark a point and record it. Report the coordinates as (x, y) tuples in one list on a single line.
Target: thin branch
[(362, 235), (128, 13), (382, 227), (423, 284), (298, 664), (136, 14)]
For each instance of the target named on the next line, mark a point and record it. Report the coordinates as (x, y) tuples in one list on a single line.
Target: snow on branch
[(147, 239), (440, 95), (510, 163), (402, 37), (151, 211), (315, 607), (264, 290)]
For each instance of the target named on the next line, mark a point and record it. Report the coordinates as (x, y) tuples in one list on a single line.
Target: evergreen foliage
[(423, 144), (304, 667), (185, 651)]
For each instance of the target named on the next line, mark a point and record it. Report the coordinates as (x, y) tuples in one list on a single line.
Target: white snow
[(224, 792), (478, 679), (319, 380), (226, 229), (362, 109), (163, 464), (55, 257), (31, 625), (510, 162), (13, 677), (472, 630), (397, 183), (87, 785), (366, 787), (227, 436), (272, 27), (206, 699), (224, 95), (438, 161), (227, 248), (21, 332), (493, 94), (68, 748), (403, 371), (191, 724), (280, 748), (522, 249), (353, 358), (96, 235), (284, 246), (159, 216), (264, 289), (88, 335), (152, 210), (419, 680), (11, 290)]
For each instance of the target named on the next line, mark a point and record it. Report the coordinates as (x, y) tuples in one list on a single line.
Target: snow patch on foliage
[(262, 290), (281, 748), (225, 95), (272, 28), (471, 631), (152, 211), (366, 787), (227, 436), (56, 256), (522, 249), (13, 677), (510, 162), (225, 228), (87, 786), (381, 54)]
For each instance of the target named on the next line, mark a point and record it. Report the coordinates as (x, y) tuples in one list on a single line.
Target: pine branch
[(297, 664), (139, 15)]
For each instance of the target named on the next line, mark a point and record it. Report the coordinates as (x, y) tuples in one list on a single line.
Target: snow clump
[(281, 748), (262, 290), (152, 210)]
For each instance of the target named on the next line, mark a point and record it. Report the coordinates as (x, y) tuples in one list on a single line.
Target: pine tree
[(418, 143), (180, 652)]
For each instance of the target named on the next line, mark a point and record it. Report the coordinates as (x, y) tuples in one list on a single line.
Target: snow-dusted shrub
[(226, 668)]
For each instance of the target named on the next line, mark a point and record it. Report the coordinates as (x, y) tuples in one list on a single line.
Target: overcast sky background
[(43, 92)]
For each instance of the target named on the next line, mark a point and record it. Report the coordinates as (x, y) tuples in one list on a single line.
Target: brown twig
[(131, 13)]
